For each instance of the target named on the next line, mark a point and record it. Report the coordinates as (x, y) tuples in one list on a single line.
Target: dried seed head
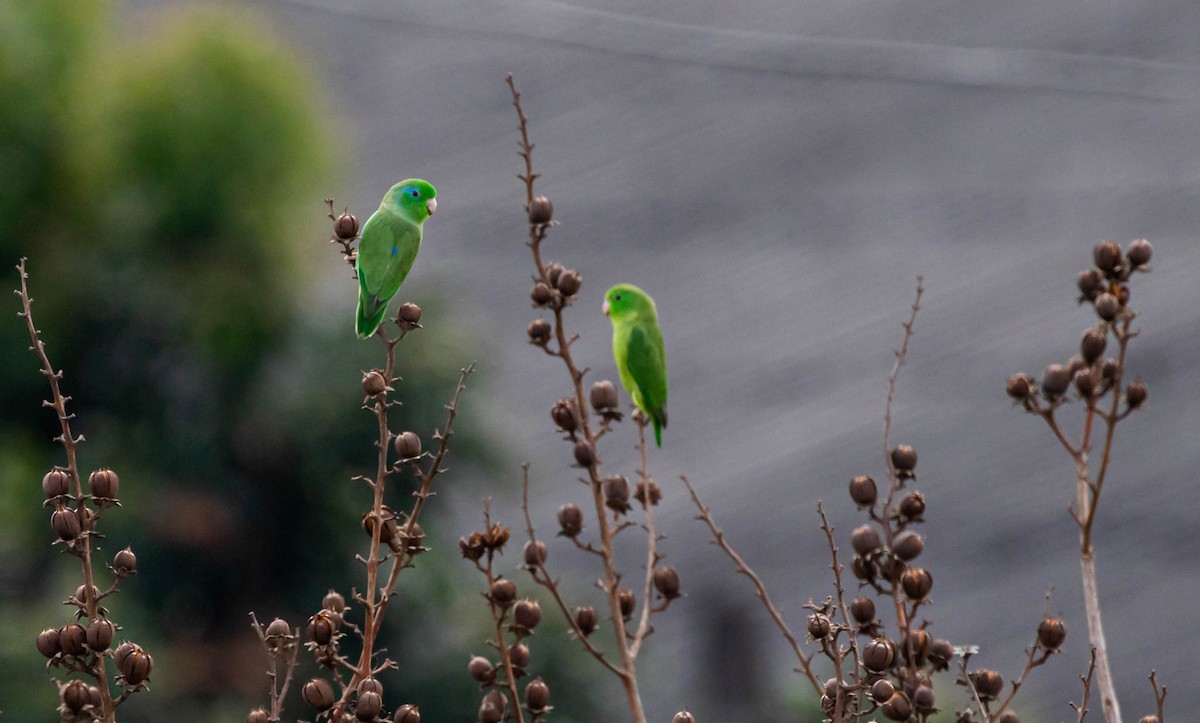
[(1085, 383), (862, 568), (863, 491), (137, 666), (586, 619), (373, 383), (540, 211), (258, 715), (388, 531), (472, 547), (322, 627), (919, 642), (537, 696), (603, 396), (1091, 346), (865, 539), (494, 707), (565, 415), (122, 652), (481, 669), (988, 684), (1107, 256), (65, 524), (912, 507), (863, 610), (518, 655), (56, 483), (1019, 386), (1055, 380), (72, 639), (1135, 393), (879, 654), (553, 271), (940, 652), (1139, 253), (318, 693), (75, 695), (540, 294), (1107, 306), (923, 699), (917, 582), (82, 596), (526, 615), (904, 459), (1009, 717), (100, 633), (534, 553), (882, 690), (628, 602), (47, 642), (616, 493), (897, 707), (568, 282), (407, 445), (414, 535), (539, 331), (818, 626), (502, 592), (666, 581), (1051, 633), (104, 483), (570, 520), (648, 489), (125, 563), (1090, 283), (683, 717), (278, 628), (585, 453), (408, 316), (1109, 370), (334, 602), (345, 227), (368, 705), (907, 545), (408, 714)]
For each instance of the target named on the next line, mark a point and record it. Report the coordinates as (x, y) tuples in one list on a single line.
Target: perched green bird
[(389, 245), (638, 351)]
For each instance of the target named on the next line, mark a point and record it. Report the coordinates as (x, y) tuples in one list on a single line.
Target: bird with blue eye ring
[(390, 241)]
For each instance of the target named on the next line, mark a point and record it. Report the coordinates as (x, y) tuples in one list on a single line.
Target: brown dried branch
[(1082, 709)]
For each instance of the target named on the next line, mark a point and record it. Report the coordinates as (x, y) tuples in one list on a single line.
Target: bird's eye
[(416, 193), (617, 297)]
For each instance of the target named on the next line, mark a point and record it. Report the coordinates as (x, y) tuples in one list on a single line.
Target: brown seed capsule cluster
[(323, 632), (556, 288)]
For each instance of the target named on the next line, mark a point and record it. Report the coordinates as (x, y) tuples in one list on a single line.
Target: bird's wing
[(386, 253), (648, 367)]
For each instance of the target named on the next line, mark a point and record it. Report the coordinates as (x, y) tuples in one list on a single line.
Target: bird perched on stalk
[(389, 245), (638, 351)]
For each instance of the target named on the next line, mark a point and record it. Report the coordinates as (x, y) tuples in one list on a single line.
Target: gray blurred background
[(777, 175)]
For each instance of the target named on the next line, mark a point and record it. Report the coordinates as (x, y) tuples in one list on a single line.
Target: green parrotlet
[(389, 245), (638, 351)]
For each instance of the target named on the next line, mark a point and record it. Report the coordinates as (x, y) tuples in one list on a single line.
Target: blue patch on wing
[(395, 251)]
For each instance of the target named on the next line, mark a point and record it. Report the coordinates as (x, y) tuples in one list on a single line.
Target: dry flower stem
[(652, 556), (69, 441), (718, 536), (1032, 660), (611, 581), (498, 614), (835, 647), (278, 694), (1160, 693), (1082, 709)]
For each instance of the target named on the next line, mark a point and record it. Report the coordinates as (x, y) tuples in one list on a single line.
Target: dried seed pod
[(570, 520), (540, 211), (1055, 380), (879, 654), (125, 563), (278, 628), (627, 601), (1090, 283), (648, 489), (104, 483), (585, 453), (1019, 386), (408, 714), (408, 316), (345, 227), (258, 715), (481, 669), (863, 491), (586, 619), (472, 547), (82, 596), (100, 633), (553, 271), (539, 331), (534, 553), (1009, 717), (988, 684), (616, 493), (923, 699), (863, 568), (373, 383), (388, 532), (865, 540), (565, 415), (322, 627), (603, 396), (65, 524), (407, 445), (537, 696), (684, 717), (904, 459), (526, 615), (1107, 256), (898, 707), (56, 483), (94, 696), (1139, 253), (47, 642), (882, 690), (1107, 306), (917, 582), (540, 294), (666, 581), (940, 652), (1109, 370), (908, 545), (494, 707), (502, 592), (919, 642), (1135, 393), (72, 639), (568, 282), (518, 655), (75, 695), (334, 602), (912, 507), (818, 626), (368, 705), (1051, 632), (1085, 383), (137, 667), (1092, 344), (318, 693), (863, 610), (122, 652), (414, 535)]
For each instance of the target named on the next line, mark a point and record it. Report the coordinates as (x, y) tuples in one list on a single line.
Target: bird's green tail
[(657, 433), (366, 323)]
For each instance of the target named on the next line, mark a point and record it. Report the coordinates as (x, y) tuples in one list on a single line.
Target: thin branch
[(1082, 708), (652, 558)]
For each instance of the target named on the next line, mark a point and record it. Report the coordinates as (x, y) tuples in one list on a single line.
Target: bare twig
[(1082, 709), (1160, 694)]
